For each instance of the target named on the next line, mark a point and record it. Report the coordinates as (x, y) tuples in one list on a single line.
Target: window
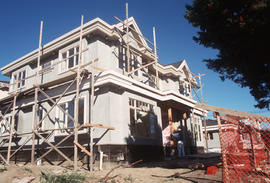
[(5, 124), (63, 121), (210, 135), (142, 119), (200, 137), (70, 58), (19, 79), (185, 89), (134, 63), (46, 65)]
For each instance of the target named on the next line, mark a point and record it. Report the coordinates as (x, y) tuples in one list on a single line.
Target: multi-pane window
[(70, 58), (19, 79), (62, 119), (143, 120), (133, 61), (185, 89)]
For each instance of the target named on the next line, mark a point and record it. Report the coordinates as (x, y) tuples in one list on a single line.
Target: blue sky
[(19, 34)]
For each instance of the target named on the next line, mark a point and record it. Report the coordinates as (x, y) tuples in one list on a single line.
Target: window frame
[(20, 83), (57, 116), (64, 62), (144, 107)]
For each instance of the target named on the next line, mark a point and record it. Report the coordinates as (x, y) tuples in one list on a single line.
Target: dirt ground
[(145, 172)]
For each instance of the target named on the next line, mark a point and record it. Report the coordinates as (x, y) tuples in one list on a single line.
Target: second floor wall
[(98, 53)]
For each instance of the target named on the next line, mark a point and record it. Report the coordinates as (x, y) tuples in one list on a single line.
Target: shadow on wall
[(145, 139)]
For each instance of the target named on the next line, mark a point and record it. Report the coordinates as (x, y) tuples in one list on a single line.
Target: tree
[(240, 31)]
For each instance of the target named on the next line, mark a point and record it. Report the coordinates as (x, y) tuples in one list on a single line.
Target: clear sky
[(19, 34)]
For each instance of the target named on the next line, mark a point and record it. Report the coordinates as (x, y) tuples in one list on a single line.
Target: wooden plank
[(229, 119), (98, 69), (228, 111), (55, 148), (82, 148), (98, 126)]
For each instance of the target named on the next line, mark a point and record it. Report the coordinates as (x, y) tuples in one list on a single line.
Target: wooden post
[(156, 63), (76, 113), (170, 119), (204, 121), (11, 128), (127, 34), (91, 120), (223, 150), (35, 110)]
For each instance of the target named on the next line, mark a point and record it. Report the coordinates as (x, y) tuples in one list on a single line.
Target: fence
[(245, 144)]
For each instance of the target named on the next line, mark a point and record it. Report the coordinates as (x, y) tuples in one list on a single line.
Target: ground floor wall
[(112, 153)]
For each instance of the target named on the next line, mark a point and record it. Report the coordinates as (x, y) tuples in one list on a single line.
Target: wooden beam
[(98, 126), (82, 148), (228, 111)]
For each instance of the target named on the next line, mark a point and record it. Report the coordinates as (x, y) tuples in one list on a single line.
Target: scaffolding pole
[(204, 120), (156, 60), (127, 34), (11, 128), (76, 115), (35, 109)]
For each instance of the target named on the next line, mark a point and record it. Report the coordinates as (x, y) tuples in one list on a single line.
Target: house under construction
[(96, 90)]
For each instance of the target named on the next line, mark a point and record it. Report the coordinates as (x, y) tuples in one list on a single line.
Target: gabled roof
[(176, 64), (131, 22)]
